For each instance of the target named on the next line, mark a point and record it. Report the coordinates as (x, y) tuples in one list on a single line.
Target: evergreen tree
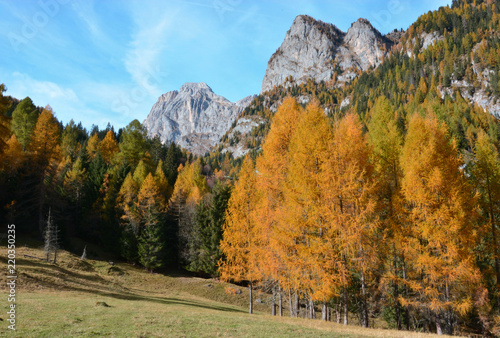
[(24, 119), (133, 143), (69, 143), (209, 219)]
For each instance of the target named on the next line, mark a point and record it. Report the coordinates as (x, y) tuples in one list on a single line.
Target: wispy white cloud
[(149, 39), (85, 12), (65, 102), (23, 83)]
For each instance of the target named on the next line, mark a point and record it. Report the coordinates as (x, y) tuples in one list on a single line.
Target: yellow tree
[(240, 236), (108, 147), (45, 139), (387, 141), (304, 231), (127, 210), (93, 145), (350, 206), (189, 189), (272, 169), (162, 182), (44, 146), (13, 156), (485, 170), (442, 210), (74, 181)]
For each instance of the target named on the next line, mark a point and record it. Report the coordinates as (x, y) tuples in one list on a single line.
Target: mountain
[(193, 117), (316, 50), (448, 59)]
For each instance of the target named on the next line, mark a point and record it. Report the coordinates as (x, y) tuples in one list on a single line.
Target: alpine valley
[(361, 185)]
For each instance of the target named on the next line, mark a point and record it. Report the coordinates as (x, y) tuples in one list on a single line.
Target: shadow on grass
[(159, 300), (96, 285)]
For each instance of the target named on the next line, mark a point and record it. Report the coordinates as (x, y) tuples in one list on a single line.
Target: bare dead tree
[(51, 238)]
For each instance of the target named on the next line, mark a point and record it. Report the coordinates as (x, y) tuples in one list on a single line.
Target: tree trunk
[(407, 311), (290, 302), (338, 308), (495, 252), (448, 314), (280, 301), (344, 263), (346, 310), (364, 315), (439, 330), (297, 304), (311, 309), (273, 309), (250, 310), (324, 312), (395, 288)]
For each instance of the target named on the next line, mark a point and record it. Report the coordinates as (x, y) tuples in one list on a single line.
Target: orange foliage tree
[(241, 237), (443, 233), (350, 207), (272, 168), (109, 147)]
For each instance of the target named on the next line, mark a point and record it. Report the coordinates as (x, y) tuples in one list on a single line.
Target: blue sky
[(108, 61)]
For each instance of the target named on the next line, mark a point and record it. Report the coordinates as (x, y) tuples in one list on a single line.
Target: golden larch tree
[(485, 170), (240, 235), (304, 230), (386, 140), (349, 206), (442, 210), (108, 147), (272, 167)]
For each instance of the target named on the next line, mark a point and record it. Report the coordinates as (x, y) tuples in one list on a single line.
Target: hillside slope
[(93, 297)]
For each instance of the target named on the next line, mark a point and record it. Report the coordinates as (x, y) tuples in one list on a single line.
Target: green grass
[(62, 301)]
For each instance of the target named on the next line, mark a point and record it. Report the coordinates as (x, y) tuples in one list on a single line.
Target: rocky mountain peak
[(306, 27), (311, 48), (367, 43), (306, 52), (195, 87), (193, 117)]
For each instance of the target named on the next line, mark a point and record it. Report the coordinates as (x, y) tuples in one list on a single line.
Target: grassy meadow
[(96, 298)]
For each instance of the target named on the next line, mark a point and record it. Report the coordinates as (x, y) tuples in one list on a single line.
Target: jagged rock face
[(306, 52), (312, 48), (193, 117), (366, 45)]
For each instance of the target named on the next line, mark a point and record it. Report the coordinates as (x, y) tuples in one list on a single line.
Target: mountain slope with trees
[(376, 200)]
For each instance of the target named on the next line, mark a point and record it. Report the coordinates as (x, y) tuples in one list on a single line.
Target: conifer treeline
[(392, 222), (112, 189)]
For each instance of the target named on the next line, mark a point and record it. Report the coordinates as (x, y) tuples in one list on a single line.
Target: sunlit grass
[(63, 300)]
